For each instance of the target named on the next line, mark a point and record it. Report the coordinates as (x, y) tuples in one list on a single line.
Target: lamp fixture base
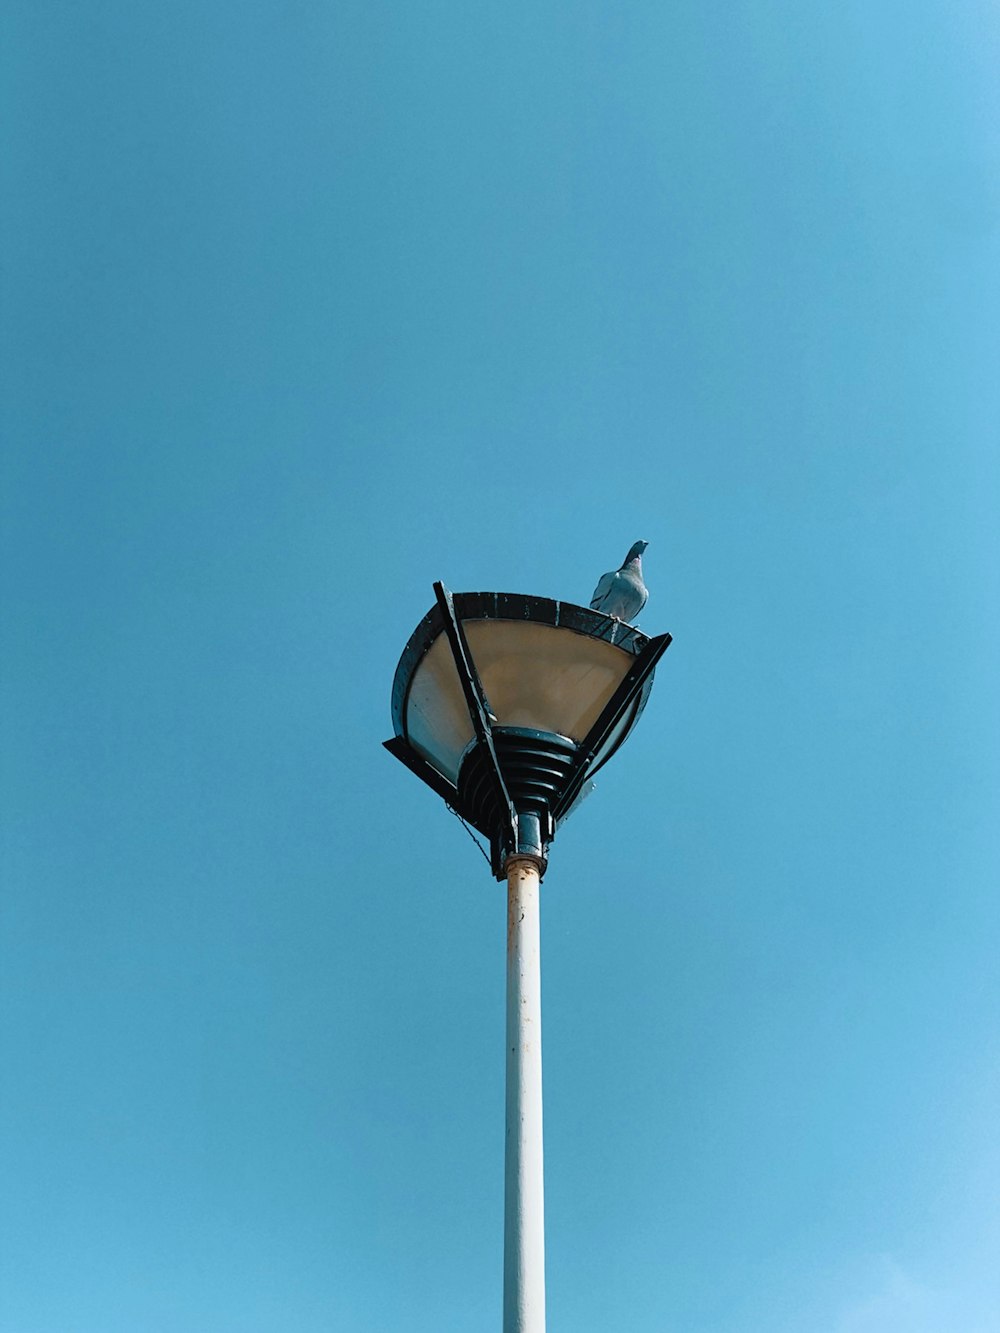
[(536, 766)]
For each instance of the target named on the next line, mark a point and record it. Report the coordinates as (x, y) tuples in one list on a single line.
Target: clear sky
[(306, 305)]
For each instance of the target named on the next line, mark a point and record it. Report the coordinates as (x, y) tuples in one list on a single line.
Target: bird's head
[(635, 551)]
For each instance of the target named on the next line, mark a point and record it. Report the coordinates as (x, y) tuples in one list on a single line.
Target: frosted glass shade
[(552, 677)]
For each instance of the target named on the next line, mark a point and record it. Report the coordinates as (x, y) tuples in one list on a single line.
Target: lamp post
[(504, 705)]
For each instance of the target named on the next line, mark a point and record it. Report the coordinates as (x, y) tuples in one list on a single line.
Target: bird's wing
[(604, 585)]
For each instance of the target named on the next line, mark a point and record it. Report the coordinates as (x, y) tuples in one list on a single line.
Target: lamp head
[(505, 704)]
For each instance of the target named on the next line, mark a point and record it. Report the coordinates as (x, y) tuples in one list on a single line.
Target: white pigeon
[(622, 593)]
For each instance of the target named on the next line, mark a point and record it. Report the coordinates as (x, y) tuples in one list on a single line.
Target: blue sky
[(306, 306)]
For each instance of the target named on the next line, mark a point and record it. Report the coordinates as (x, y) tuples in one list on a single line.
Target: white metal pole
[(524, 1221)]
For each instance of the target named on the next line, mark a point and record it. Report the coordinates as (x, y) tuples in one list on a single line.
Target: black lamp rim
[(506, 606)]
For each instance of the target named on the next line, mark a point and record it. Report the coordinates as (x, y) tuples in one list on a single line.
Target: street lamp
[(505, 705)]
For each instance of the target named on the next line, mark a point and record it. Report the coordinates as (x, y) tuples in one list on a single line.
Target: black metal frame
[(446, 616)]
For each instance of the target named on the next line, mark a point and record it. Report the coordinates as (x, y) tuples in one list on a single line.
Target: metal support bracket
[(426, 772), (612, 713), (475, 699)]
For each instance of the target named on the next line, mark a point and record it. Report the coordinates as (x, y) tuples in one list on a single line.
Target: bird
[(621, 593)]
